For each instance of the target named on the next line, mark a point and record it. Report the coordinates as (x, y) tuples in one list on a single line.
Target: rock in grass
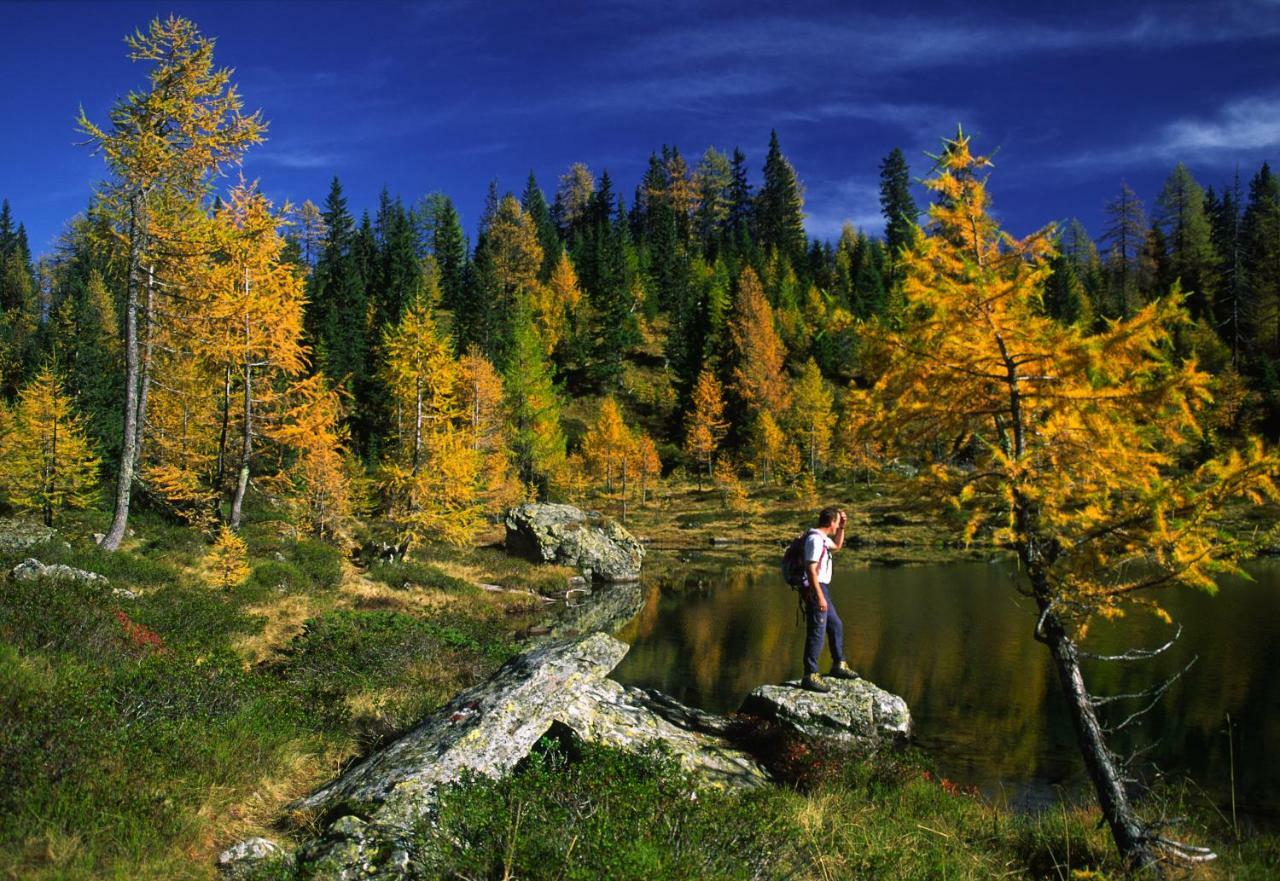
[(557, 688), (34, 570), (249, 857), (19, 535), (600, 549), (855, 710)]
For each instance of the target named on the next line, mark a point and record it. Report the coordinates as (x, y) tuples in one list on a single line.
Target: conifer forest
[(282, 439)]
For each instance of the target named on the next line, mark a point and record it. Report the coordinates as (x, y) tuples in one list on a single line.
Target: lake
[(955, 641)]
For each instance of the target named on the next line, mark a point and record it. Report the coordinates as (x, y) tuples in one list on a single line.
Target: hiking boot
[(841, 670), (813, 682)]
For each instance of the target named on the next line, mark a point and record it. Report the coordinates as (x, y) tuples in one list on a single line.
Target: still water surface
[(955, 641)]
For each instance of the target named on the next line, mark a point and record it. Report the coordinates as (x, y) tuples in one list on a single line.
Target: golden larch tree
[(607, 445), (46, 462), (771, 454), (1069, 448), (555, 305), (183, 454), (228, 560), (315, 483), (255, 312), (646, 463), (162, 143), (432, 481), (480, 396), (812, 416), (757, 353), (705, 424)]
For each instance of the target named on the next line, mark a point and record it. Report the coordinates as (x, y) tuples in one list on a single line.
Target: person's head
[(828, 517)]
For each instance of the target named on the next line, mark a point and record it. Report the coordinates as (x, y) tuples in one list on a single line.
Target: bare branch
[(1155, 694), (1187, 853), (1135, 654)]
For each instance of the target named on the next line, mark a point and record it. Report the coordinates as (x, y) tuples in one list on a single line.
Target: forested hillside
[(587, 336)]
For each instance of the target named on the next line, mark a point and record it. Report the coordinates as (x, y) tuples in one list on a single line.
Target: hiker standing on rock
[(820, 614)]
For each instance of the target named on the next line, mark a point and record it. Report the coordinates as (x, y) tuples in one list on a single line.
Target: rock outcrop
[(371, 810), (598, 548), (34, 570), (20, 535), (854, 710)]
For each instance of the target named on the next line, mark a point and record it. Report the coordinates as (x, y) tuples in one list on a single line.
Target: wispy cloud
[(1243, 127), (883, 44), (297, 157), (852, 200)]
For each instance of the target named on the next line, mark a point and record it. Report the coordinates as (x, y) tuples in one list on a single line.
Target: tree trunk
[(144, 374), (246, 450), (226, 429), (417, 425), (52, 481), (1127, 828), (129, 434)]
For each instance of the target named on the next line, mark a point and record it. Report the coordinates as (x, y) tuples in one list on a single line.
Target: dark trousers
[(818, 624)]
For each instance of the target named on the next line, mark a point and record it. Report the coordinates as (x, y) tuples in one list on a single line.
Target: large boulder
[(34, 570), (21, 535), (855, 710), (598, 548), (560, 687)]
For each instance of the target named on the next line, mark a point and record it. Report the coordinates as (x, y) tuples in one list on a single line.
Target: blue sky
[(447, 95)]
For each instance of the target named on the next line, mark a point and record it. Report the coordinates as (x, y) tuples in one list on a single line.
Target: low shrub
[(274, 577), (606, 814), (408, 574), (320, 564)]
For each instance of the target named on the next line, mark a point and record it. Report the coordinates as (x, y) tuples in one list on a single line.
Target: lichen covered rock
[(248, 858), (20, 535), (854, 710), (600, 549), (34, 570), (371, 811)]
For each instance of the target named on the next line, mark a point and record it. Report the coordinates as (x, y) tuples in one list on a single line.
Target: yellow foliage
[(615, 455), (607, 444), (555, 304), (315, 486), (705, 424), (759, 379), (733, 494), (439, 501), (46, 463), (1068, 443), (812, 416), (772, 455), (480, 397), (228, 560)]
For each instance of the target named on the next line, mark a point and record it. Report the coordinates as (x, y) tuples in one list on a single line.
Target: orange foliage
[(759, 379)]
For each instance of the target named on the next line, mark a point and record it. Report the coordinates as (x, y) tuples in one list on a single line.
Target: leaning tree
[(1074, 450)]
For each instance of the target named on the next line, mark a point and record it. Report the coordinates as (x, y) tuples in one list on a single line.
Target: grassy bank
[(139, 736)]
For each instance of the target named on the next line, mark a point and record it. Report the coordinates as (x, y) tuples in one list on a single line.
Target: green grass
[(412, 573), (136, 737), (589, 812), (139, 737)]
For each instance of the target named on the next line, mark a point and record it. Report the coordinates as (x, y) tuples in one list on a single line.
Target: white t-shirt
[(817, 549)]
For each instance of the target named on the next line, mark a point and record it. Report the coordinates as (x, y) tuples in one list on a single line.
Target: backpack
[(793, 561)]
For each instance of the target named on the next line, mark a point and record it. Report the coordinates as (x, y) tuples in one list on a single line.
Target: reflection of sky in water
[(955, 641)]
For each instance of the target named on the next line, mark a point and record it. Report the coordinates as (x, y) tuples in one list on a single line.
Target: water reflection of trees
[(954, 643)]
